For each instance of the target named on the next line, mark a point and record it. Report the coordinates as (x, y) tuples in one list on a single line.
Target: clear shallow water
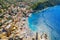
[(47, 21)]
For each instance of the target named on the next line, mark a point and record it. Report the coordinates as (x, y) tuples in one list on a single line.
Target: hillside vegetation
[(4, 4)]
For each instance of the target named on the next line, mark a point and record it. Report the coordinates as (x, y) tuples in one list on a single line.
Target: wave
[(48, 21)]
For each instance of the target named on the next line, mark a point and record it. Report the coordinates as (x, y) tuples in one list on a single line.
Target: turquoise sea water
[(47, 20)]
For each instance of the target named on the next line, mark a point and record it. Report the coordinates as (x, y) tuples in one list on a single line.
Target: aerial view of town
[(29, 19)]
